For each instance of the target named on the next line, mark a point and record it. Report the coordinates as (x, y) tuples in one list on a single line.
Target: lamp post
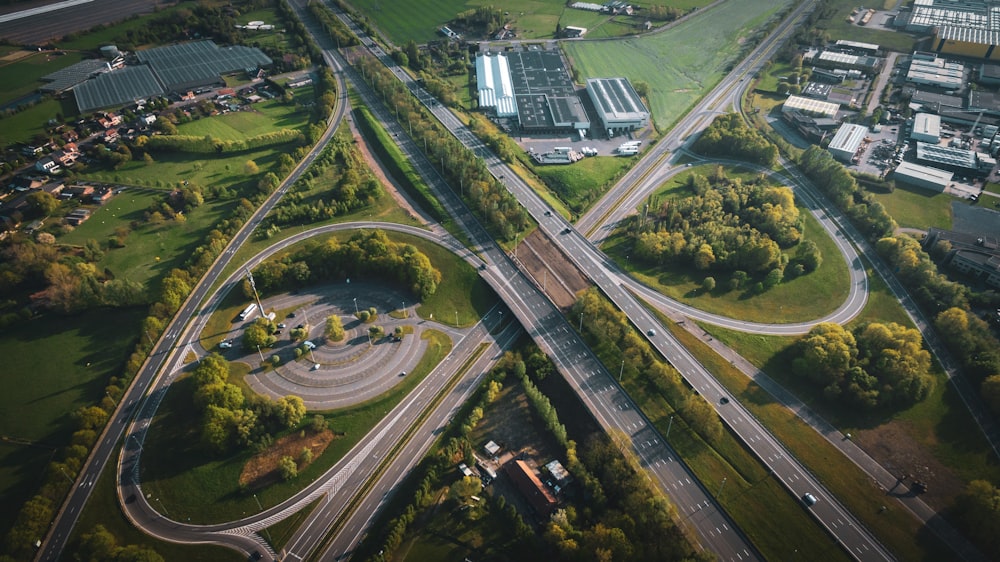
[(163, 507), (63, 470), (356, 313), (621, 371), (261, 509), (721, 486), (669, 425), (580, 329), (113, 401), (404, 309), (259, 352), (456, 318)]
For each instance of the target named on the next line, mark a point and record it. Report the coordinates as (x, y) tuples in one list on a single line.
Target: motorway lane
[(595, 385), (854, 538), (312, 533)]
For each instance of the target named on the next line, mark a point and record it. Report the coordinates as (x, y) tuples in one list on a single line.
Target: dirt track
[(551, 270)]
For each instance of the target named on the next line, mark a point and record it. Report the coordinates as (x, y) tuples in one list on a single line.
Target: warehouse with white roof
[(809, 106), (926, 128), (922, 176), (619, 107), (494, 85), (847, 141)]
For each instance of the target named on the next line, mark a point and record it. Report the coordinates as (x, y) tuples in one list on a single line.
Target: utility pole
[(255, 295)]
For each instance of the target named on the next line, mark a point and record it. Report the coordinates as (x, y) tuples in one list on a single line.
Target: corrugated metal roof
[(495, 87)]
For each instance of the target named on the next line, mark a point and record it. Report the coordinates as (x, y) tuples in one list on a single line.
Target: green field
[(582, 183), (53, 365), (676, 64), (913, 207), (22, 76), (151, 251), (791, 301), (235, 125)]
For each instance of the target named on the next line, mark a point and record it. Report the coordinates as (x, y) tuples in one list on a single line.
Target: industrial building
[(958, 160), (619, 107), (845, 61), (926, 128), (964, 28), (857, 48), (809, 106), (65, 78), (547, 100), (989, 74), (935, 71), (975, 255), (174, 68), (493, 82), (922, 176), (847, 141)]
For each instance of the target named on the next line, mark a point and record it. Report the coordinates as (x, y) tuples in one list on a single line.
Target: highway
[(828, 511)]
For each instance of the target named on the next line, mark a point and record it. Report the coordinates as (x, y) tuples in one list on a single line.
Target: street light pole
[(621, 371), (580, 329), (721, 486), (113, 401), (669, 425), (356, 313), (261, 508), (261, 356), (456, 318)]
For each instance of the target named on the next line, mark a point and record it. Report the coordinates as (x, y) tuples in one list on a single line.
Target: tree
[(290, 410), (213, 369), (809, 255), (306, 456), (287, 467), (467, 486), (334, 328), (90, 417), (708, 284), (702, 418), (991, 392), (42, 203), (251, 168), (259, 334), (319, 423), (977, 510)]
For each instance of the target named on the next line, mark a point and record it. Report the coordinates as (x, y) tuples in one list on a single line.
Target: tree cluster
[(729, 136), (838, 184), (914, 268), (100, 545), (229, 418), (485, 20), (977, 512), (876, 365), (368, 254), (608, 331), (211, 145), (974, 345), (726, 225), (353, 188), (500, 211), (332, 25)]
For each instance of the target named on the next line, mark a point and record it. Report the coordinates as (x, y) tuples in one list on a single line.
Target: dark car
[(724, 400)]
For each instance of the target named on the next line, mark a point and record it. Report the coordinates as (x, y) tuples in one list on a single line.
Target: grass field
[(676, 64), (205, 488), (52, 366), (913, 207), (230, 126), (151, 251), (23, 76), (25, 125), (170, 169), (584, 182), (791, 301), (103, 509)]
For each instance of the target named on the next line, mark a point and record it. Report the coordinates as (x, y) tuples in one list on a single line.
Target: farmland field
[(403, 21), (22, 76), (675, 63)]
